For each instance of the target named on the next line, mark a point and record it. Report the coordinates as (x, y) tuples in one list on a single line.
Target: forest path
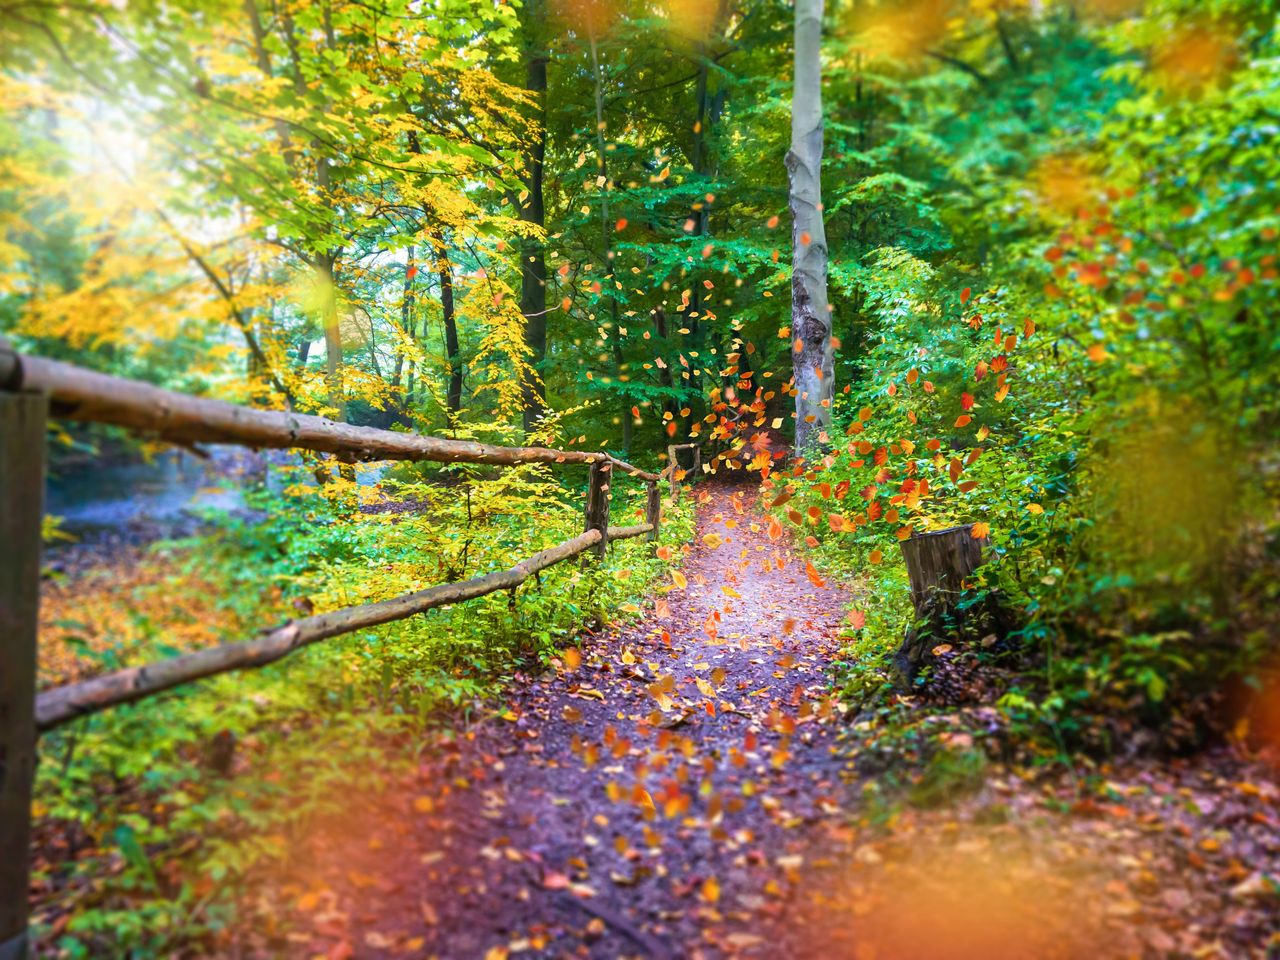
[(659, 798)]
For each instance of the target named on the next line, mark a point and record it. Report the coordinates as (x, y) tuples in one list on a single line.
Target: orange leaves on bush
[(966, 401), (964, 295), (772, 222), (775, 528), (913, 375), (954, 469), (963, 420), (857, 619), (980, 530), (864, 414), (875, 556)]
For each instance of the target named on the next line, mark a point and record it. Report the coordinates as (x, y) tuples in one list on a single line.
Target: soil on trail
[(657, 798)]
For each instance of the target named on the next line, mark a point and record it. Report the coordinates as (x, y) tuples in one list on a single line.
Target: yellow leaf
[(711, 890)]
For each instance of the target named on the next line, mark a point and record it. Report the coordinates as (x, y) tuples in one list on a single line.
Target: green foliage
[(136, 784), (1071, 351)]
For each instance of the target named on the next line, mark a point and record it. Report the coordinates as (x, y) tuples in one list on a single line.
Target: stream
[(134, 500)]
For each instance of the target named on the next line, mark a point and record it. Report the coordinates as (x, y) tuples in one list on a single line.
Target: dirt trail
[(659, 798), (676, 793)]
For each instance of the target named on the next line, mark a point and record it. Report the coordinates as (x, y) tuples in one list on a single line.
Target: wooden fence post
[(22, 445), (673, 464), (653, 508), (598, 503)]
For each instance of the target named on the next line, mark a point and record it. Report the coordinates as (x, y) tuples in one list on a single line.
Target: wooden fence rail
[(57, 706), (33, 389), (78, 394)]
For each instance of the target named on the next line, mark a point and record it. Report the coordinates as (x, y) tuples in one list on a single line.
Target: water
[(164, 495), (164, 491)]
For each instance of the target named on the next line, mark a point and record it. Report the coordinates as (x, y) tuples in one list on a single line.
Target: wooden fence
[(33, 389)]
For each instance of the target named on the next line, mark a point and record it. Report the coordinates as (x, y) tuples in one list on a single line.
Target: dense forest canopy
[(1041, 272)]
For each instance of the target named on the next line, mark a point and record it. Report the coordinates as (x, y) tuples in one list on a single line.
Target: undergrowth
[(214, 779)]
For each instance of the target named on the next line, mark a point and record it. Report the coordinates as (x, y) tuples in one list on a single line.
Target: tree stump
[(938, 564)]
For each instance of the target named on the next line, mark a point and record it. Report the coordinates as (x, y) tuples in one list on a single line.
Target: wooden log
[(597, 506), (653, 509), (938, 565), (625, 533), (22, 445), (79, 394), (55, 707), (636, 472)]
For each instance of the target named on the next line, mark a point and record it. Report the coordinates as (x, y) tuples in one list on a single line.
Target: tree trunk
[(453, 398), (665, 378), (406, 313), (939, 564), (533, 260), (606, 243), (811, 353), (332, 337)]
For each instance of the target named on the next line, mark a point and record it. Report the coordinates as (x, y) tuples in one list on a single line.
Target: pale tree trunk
[(329, 320), (812, 351)]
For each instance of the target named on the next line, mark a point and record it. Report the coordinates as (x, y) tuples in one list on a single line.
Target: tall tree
[(812, 350), (532, 210)]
